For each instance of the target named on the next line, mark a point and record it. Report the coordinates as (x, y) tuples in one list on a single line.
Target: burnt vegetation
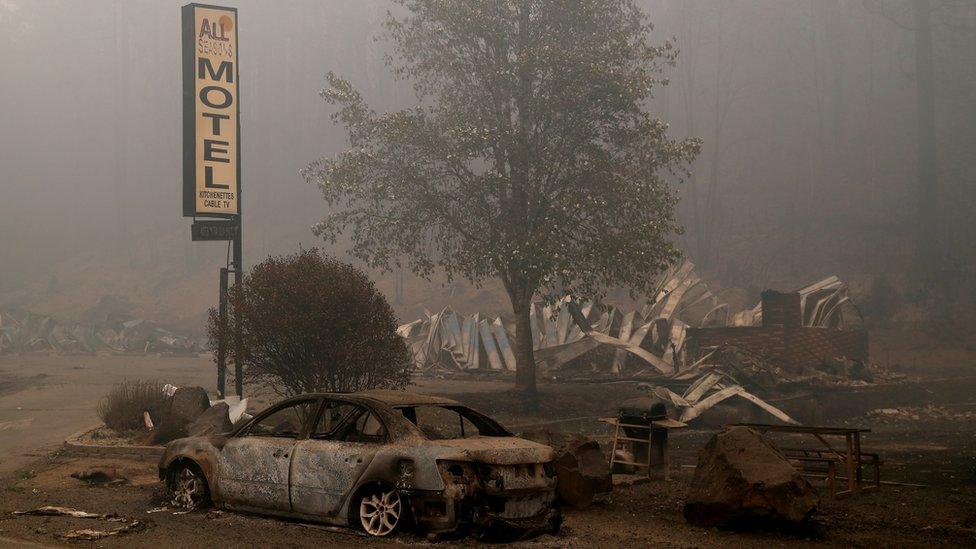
[(311, 323), (121, 410)]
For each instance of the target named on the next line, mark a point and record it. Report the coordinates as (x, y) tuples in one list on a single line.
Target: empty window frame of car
[(348, 422), (441, 422), (286, 422)]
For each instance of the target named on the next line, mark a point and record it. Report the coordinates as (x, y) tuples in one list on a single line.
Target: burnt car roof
[(390, 398), (402, 398)]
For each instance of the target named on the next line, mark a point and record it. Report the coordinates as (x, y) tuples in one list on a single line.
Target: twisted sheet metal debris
[(647, 341), (822, 304), (707, 391), (567, 329)]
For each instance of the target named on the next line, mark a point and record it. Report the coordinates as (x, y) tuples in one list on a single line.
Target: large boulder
[(214, 420), (167, 427), (743, 480), (189, 402), (582, 470)]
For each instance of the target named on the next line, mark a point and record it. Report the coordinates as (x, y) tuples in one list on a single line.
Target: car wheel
[(381, 511), (190, 489)]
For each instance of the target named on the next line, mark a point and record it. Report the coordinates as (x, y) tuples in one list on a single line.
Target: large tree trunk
[(927, 251), (524, 354)]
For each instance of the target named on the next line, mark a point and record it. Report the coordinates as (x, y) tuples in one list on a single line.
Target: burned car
[(375, 460)]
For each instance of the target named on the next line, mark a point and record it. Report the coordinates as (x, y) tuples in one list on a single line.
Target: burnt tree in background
[(529, 158)]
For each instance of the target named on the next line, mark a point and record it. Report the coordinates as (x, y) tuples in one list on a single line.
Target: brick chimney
[(781, 309)]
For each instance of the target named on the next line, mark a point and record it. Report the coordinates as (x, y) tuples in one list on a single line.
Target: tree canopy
[(529, 157)]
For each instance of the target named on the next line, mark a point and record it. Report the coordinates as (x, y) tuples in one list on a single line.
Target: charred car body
[(373, 460)]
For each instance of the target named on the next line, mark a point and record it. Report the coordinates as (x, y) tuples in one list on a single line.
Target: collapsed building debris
[(815, 331), (800, 331), (566, 330), (25, 332), (709, 390)]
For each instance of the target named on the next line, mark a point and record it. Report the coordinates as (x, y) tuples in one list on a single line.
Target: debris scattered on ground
[(582, 471), (742, 480), (53, 511), (100, 475), (919, 413), (88, 534), (25, 332), (707, 391)]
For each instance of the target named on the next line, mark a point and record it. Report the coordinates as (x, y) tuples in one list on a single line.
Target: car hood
[(493, 450)]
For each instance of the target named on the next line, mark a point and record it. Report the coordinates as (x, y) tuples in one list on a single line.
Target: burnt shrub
[(121, 410), (311, 323)]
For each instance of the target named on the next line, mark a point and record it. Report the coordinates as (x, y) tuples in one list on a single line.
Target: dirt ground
[(44, 399), (931, 444)]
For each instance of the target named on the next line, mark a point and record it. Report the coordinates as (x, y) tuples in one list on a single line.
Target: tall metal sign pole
[(212, 147)]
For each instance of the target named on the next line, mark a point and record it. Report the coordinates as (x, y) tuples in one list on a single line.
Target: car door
[(254, 465), (327, 465)]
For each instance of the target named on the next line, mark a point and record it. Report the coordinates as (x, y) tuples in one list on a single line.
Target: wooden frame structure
[(825, 463)]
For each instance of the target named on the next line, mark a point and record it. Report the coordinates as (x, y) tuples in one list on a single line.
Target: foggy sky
[(806, 109)]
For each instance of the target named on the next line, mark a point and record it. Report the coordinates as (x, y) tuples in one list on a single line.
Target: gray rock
[(583, 472), (214, 421), (189, 402), (168, 427), (743, 480)]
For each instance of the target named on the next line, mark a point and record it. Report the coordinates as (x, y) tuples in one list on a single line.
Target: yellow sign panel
[(213, 175)]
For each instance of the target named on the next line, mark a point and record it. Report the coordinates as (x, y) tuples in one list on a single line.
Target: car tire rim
[(188, 489), (380, 512)]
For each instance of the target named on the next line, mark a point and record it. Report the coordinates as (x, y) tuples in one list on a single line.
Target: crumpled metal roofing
[(563, 331), (567, 329)]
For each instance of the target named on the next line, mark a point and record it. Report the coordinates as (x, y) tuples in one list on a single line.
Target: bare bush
[(121, 410)]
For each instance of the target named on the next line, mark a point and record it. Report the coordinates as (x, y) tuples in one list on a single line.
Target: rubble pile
[(684, 344), (564, 331), (24, 332), (709, 390), (824, 304), (930, 412), (742, 479), (651, 341)]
